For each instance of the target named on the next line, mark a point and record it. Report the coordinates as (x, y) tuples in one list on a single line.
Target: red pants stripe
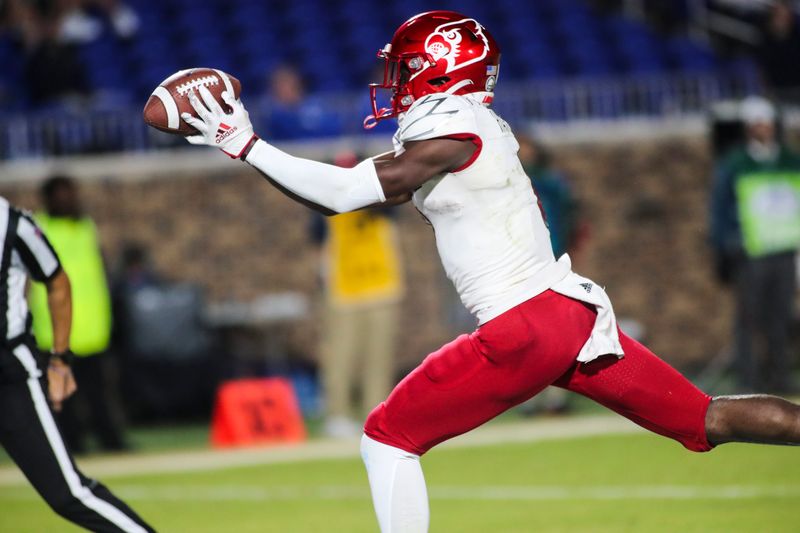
[(515, 356)]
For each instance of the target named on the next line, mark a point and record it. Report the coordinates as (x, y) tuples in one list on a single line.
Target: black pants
[(765, 289), (94, 399), (29, 434)]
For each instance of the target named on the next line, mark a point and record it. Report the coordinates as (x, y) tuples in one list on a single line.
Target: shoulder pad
[(438, 115)]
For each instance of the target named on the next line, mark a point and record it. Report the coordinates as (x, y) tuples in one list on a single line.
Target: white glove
[(231, 133)]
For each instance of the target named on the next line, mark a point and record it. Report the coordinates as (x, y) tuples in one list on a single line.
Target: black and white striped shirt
[(24, 251)]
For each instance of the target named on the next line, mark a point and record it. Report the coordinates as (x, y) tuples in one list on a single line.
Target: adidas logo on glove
[(224, 131)]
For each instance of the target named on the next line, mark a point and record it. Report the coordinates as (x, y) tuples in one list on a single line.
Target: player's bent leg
[(398, 487), (646, 390), (464, 384), (410, 422), (478, 376), (753, 418)]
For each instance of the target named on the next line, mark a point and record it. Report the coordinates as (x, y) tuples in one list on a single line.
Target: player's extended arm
[(328, 188), (390, 200), (369, 183)]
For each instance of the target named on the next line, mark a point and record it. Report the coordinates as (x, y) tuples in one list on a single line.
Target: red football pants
[(516, 355)]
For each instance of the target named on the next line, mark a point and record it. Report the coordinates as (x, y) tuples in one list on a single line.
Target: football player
[(540, 323)]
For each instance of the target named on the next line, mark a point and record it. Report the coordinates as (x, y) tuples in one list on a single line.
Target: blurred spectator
[(363, 282), (166, 350), (53, 73), (779, 52), (555, 194), (292, 113), (77, 22), (74, 236), (560, 208), (48, 34), (135, 273), (755, 232)]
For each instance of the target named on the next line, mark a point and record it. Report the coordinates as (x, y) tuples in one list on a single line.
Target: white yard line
[(219, 493), (206, 460)]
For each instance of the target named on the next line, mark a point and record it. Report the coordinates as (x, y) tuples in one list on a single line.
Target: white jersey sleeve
[(438, 115)]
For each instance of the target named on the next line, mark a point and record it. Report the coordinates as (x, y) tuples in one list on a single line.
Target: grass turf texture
[(610, 483)]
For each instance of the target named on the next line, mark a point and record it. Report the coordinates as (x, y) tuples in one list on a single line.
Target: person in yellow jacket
[(74, 237), (364, 288)]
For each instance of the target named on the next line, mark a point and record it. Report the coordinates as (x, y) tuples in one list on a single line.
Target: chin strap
[(372, 120)]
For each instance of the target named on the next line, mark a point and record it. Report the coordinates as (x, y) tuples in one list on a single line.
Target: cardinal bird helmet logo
[(446, 40)]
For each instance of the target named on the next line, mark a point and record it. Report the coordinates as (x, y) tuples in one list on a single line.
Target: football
[(165, 105)]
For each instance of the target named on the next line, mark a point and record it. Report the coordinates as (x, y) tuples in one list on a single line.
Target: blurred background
[(627, 111)]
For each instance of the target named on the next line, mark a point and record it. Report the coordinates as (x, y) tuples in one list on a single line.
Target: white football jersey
[(490, 232)]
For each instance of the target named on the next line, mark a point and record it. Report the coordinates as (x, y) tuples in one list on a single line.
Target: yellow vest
[(75, 241), (363, 258)]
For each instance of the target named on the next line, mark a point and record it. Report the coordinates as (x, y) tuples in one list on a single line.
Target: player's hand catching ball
[(230, 132)]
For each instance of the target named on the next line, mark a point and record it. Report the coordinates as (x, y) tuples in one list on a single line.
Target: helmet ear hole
[(437, 82)]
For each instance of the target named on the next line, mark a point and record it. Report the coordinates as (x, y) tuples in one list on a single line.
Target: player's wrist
[(235, 146), (251, 142)]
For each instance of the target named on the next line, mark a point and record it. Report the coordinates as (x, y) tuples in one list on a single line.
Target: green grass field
[(611, 483)]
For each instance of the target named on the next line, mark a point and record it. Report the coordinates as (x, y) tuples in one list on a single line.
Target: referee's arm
[(42, 264), (59, 300)]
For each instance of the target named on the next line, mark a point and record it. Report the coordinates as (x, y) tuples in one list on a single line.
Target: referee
[(27, 429)]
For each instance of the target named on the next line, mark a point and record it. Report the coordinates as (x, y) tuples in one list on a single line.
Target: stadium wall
[(224, 228)]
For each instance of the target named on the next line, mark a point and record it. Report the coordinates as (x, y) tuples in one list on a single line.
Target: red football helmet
[(436, 52)]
